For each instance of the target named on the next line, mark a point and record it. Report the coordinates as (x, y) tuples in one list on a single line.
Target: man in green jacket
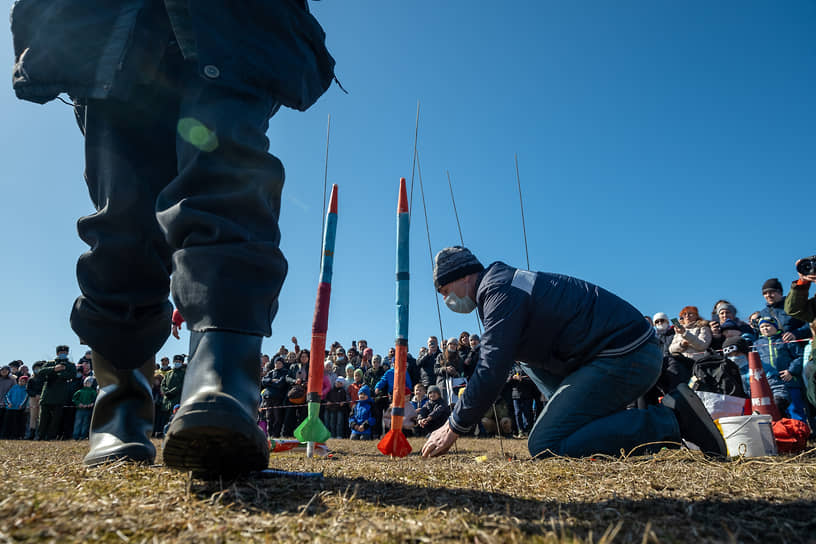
[(57, 375), (173, 383), (797, 303)]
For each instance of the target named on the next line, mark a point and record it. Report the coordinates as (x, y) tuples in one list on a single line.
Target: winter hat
[(434, 389), (340, 380), (729, 325), (770, 320), (365, 390), (349, 367), (358, 371), (739, 341), (725, 305), (88, 382), (179, 358), (453, 263), (368, 351), (660, 315), (772, 283)]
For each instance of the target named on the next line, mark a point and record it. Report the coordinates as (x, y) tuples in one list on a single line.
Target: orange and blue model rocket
[(312, 429), (394, 442)]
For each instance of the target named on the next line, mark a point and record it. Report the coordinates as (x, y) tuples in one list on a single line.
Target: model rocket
[(394, 442), (312, 429)]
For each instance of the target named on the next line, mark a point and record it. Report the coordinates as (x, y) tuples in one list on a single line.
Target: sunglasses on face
[(660, 321), (729, 349)]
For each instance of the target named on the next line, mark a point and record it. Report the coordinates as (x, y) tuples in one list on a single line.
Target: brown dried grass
[(675, 496)]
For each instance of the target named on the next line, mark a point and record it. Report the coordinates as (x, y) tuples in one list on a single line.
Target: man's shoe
[(215, 430), (694, 420), (122, 418)]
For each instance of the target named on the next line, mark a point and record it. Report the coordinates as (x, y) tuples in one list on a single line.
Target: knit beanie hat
[(725, 305), (434, 389), (770, 320), (739, 341), (729, 325), (453, 263), (659, 315), (772, 283)]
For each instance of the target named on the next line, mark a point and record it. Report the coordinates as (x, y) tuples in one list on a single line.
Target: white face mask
[(463, 305), (661, 327)]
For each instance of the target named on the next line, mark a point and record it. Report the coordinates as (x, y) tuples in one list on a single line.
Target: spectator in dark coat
[(791, 327), (427, 363)]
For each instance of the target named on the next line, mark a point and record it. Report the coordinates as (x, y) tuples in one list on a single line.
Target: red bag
[(791, 435)]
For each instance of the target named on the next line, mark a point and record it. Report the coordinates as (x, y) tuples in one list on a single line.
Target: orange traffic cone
[(761, 396)]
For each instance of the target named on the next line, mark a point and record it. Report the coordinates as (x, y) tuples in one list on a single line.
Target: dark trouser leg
[(220, 214), (123, 312)]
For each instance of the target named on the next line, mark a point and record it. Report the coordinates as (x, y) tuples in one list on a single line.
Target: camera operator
[(797, 304)]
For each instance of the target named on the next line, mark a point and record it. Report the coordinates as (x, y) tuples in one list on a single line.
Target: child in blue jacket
[(15, 402), (786, 360), (362, 419)]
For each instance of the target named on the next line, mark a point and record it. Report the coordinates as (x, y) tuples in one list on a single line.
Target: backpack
[(716, 374)]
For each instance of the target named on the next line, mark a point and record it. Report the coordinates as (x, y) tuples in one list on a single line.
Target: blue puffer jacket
[(16, 398), (386, 383), (362, 413), (550, 321), (781, 356), (101, 49)]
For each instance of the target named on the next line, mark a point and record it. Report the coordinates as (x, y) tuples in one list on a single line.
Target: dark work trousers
[(50, 421), (182, 182)]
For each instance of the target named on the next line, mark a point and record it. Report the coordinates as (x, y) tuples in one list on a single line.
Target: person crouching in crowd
[(786, 360), (692, 336), (736, 348), (362, 418), (435, 413), (15, 402), (84, 400)]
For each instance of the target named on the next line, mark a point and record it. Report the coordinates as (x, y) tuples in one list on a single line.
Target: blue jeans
[(586, 413), (82, 423), (524, 414)]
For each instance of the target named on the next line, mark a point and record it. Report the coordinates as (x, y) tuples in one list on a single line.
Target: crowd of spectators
[(54, 399)]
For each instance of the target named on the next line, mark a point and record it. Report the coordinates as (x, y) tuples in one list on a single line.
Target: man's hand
[(440, 441), (175, 332), (60, 367), (294, 340), (788, 337), (679, 329), (785, 375)]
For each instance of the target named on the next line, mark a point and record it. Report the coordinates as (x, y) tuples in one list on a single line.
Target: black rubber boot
[(215, 430), (122, 418), (695, 422)]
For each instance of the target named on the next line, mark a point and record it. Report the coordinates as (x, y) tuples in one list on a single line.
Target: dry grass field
[(484, 491)]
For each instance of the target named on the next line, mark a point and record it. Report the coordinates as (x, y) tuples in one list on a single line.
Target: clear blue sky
[(667, 152)]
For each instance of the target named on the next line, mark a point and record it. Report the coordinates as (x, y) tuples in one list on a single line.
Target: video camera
[(807, 266)]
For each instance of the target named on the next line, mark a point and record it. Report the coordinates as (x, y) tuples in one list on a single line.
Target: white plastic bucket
[(749, 436)]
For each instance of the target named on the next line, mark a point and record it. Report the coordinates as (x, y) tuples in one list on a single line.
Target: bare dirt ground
[(484, 491)]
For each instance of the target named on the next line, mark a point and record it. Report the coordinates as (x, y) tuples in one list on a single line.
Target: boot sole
[(209, 440), (692, 402), (133, 453)]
